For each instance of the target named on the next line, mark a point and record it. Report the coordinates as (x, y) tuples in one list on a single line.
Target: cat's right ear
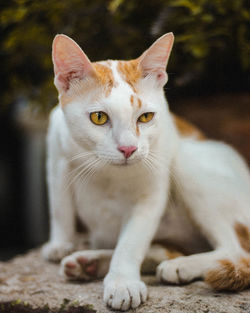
[(70, 62), (155, 59)]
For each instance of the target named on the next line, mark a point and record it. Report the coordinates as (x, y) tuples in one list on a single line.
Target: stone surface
[(30, 279)]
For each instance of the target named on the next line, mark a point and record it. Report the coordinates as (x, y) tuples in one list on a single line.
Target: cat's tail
[(229, 275)]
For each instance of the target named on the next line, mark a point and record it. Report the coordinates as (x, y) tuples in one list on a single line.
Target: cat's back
[(187, 129)]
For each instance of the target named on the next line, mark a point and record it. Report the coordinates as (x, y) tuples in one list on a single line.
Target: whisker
[(85, 162), (86, 177), (84, 167), (154, 170), (76, 169), (156, 163), (147, 165), (80, 155), (158, 160)]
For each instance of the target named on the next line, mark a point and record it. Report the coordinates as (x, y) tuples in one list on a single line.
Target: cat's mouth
[(125, 162), (121, 162)]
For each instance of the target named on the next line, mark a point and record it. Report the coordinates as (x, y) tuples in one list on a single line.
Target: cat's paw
[(121, 293), (85, 265), (55, 251), (176, 271)]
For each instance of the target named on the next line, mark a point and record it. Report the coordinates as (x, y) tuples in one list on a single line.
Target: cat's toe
[(70, 268), (123, 294), (89, 266), (80, 266), (175, 272), (165, 273)]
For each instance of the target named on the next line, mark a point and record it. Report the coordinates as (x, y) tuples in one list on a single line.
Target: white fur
[(124, 205)]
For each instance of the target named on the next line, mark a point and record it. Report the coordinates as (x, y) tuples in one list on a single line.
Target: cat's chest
[(107, 201)]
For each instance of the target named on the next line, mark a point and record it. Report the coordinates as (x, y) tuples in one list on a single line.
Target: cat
[(131, 171)]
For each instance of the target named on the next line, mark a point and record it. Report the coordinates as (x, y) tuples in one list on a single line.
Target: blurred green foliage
[(212, 48)]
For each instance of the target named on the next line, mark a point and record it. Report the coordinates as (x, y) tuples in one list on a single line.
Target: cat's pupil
[(146, 115), (99, 116)]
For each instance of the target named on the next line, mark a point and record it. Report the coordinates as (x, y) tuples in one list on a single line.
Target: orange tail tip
[(230, 276)]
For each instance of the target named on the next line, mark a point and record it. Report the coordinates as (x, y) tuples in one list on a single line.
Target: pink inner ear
[(70, 62), (155, 59), (63, 80), (161, 75)]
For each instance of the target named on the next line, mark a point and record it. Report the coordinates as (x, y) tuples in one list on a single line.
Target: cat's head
[(115, 109)]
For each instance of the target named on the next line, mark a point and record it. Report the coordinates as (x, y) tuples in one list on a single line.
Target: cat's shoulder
[(187, 129), (57, 127)]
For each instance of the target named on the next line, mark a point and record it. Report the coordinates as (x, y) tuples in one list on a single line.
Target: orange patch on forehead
[(130, 72), (187, 129), (134, 100), (104, 76)]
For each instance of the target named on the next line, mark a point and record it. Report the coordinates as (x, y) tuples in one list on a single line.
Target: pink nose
[(127, 150)]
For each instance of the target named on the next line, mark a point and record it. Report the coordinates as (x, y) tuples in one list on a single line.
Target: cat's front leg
[(62, 215), (123, 288)]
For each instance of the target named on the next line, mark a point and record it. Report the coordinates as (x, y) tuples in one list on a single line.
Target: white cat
[(118, 159)]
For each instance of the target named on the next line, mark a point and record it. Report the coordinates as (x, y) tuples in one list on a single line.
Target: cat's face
[(114, 109)]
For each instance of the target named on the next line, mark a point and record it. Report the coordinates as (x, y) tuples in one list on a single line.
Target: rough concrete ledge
[(30, 284)]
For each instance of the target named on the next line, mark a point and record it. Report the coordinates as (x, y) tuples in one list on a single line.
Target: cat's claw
[(123, 294), (55, 251)]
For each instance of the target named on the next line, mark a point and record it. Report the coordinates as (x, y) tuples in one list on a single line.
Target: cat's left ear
[(155, 59), (70, 62)]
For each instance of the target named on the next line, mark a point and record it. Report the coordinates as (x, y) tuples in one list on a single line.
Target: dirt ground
[(28, 279)]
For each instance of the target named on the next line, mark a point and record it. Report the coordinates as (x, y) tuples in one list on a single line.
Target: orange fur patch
[(130, 72), (137, 130), (187, 129), (105, 77), (132, 100), (138, 100), (172, 254), (230, 276), (139, 103), (243, 234)]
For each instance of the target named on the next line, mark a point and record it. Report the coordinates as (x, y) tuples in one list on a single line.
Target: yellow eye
[(99, 118), (146, 117)]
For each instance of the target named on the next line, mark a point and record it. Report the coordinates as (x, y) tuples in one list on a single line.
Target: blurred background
[(209, 76)]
